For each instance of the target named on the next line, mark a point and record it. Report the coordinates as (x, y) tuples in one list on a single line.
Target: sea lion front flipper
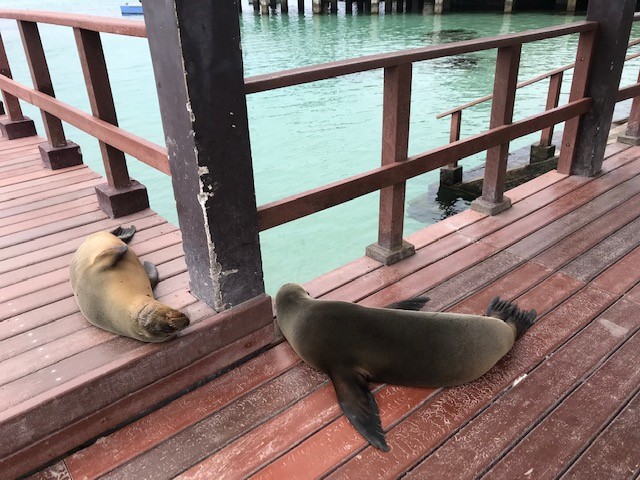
[(124, 234), (110, 257), (360, 407), (152, 273), (415, 304)]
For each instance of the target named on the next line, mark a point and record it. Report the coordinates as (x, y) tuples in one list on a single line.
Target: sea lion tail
[(510, 313), (124, 234)]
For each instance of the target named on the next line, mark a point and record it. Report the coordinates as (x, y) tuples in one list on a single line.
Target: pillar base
[(540, 153), (629, 139), (450, 176), (118, 202), (490, 208), (55, 158), (390, 256), (18, 129)]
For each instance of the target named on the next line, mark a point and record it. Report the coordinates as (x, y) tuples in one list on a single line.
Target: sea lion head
[(159, 322), (289, 293)]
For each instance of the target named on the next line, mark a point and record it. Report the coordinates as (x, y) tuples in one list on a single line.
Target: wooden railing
[(555, 77), (396, 166)]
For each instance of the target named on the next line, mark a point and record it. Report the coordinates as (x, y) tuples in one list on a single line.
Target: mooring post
[(508, 6), (583, 146), (197, 61)]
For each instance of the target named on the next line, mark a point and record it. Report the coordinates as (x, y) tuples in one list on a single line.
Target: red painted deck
[(62, 381), (564, 403)]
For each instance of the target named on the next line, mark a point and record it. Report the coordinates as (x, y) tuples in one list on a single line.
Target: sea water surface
[(309, 135)]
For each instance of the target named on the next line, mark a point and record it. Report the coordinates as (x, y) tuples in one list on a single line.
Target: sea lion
[(114, 290), (354, 345)]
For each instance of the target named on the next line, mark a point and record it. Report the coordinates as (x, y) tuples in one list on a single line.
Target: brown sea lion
[(114, 290), (355, 344)]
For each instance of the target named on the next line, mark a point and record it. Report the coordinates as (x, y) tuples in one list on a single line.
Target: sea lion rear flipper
[(110, 257), (510, 313), (359, 406), (152, 273), (415, 303), (124, 234)]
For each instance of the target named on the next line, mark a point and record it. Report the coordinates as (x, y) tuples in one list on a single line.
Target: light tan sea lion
[(354, 345), (114, 290)]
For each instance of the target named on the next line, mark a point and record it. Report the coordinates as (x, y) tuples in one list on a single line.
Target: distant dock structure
[(436, 7)]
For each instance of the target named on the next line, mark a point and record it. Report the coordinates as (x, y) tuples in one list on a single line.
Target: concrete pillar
[(334, 6), (571, 5), (256, 5), (348, 6), (317, 6), (284, 6), (300, 7), (207, 139), (438, 7), (508, 6), (388, 6), (264, 7), (610, 47), (375, 6)]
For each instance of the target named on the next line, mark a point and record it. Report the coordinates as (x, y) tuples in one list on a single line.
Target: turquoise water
[(309, 135)]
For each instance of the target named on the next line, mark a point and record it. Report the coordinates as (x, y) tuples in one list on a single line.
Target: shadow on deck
[(563, 402)]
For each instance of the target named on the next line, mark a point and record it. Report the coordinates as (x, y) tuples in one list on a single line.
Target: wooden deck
[(62, 381), (564, 403)]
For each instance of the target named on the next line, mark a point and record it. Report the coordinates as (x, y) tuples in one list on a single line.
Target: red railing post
[(121, 195), (16, 125), (578, 90), (545, 149), (58, 152), (632, 134), (396, 107), (493, 200), (452, 173)]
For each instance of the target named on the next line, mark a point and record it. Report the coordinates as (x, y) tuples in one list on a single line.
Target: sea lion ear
[(110, 257), (360, 407)]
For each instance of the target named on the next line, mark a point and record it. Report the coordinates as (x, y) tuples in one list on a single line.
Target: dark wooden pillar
[(197, 60), (609, 51)]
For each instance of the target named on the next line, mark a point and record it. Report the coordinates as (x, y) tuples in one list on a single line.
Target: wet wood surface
[(62, 380), (564, 401)]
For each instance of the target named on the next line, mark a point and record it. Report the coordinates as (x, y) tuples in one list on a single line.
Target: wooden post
[(57, 153), (120, 195), (300, 7), (584, 143), (504, 92), (508, 6), (264, 7), (391, 247), (16, 125), (195, 50), (632, 134), (545, 150), (256, 6), (348, 6), (452, 173), (284, 6), (400, 6)]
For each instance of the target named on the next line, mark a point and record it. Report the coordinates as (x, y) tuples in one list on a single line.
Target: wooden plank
[(43, 177), (430, 424), (42, 214), (51, 223), (136, 438), (504, 422), (552, 445), (612, 454), (170, 457), (129, 406), (163, 235), (621, 276), (50, 197)]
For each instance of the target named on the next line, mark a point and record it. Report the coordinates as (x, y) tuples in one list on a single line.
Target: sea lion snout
[(160, 321)]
